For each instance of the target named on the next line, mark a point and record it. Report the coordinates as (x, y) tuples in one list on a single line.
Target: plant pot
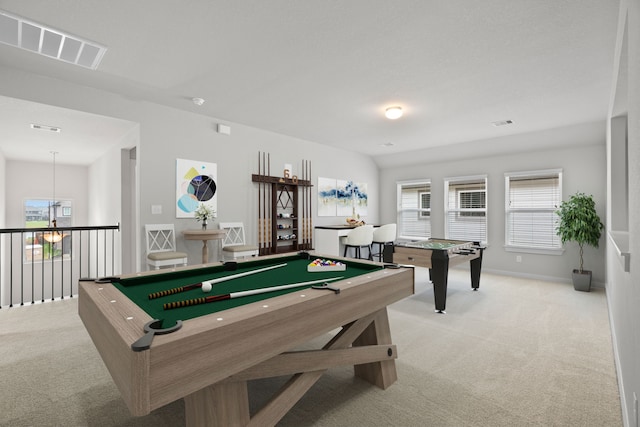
[(582, 281)]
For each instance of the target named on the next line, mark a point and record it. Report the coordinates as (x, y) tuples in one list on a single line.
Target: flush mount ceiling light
[(393, 113), (198, 101), (28, 35)]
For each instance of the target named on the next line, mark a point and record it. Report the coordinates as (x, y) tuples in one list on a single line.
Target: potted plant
[(580, 223)]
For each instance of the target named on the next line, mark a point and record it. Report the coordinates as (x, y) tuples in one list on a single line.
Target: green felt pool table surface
[(138, 289)]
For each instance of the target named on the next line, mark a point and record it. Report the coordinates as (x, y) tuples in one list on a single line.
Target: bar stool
[(383, 235), (357, 238)]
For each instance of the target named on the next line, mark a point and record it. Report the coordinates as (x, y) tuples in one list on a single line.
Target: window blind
[(466, 209), (414, 210), (530, 211)]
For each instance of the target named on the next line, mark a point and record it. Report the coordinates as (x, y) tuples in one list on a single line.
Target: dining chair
[(234, 245), (161, 246)]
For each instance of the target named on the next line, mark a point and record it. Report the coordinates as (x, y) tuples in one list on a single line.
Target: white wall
[(105, 192), (584, 169), (623, 288), (31, 180), (3, 246), (176, 134), (3, 178)]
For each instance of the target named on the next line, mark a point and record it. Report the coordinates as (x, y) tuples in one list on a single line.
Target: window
[(471, 202), (425, 204), (39, 213), (466, 208), (531, 199), (414, 209)]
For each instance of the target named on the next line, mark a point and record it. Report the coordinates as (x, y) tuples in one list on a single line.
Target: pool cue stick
[(306, 221), (310, 207), (184, 288), (179, 289), (260, 242), (309, 199), (303, 231), (263, 207), (267, 202), (310, 217), (304, 207), (265, 236), (222, 297)]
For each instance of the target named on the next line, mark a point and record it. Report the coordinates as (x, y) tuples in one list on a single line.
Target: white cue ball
[(206, 287)]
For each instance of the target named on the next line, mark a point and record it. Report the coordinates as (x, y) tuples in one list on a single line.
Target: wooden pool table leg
[(383, 373), (222, 404)]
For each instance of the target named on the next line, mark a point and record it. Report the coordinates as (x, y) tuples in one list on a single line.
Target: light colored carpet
[(516, 353)]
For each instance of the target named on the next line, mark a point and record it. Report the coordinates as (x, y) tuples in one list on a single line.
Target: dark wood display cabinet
[(284, 217)]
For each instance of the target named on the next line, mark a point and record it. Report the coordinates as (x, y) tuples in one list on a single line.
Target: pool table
[(438, 255), (219, 346)]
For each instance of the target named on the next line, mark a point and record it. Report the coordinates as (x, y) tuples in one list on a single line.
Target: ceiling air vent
[(45, 127), (19, 32)]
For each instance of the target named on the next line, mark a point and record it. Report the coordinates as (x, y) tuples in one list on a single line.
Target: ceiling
[(83, 137), (325, 70)]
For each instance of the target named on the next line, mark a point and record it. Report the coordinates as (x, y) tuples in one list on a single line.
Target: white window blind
[(531, 202), (414, 210), (466, 208)]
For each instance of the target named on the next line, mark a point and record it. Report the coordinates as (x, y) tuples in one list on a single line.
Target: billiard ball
[(206, 287)]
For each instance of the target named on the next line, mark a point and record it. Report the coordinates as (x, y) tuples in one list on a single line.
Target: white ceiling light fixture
[(198, 101), (28, 35), (393, 113)]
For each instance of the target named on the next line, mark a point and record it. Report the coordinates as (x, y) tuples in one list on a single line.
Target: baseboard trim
[(595, 284), (616, 360)]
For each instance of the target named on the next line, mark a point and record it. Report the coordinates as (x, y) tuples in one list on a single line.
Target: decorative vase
[(204, 224)]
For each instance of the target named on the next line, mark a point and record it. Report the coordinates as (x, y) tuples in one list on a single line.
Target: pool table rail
[(114, 323)]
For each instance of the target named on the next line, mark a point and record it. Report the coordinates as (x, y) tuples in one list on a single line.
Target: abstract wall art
[(196, 184), (326, 197), (337, 197)]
